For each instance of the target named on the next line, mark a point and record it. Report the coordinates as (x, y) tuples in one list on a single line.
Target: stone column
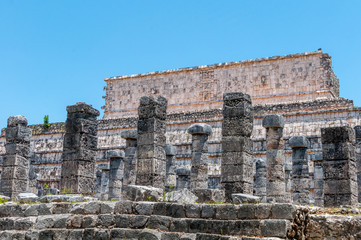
[(199, 162), (182, 178), (276, 188), (171, 177), (358, 159), (339, 166), (288, 182), (300, 172), (15, 169), (130, 160), (151, 163), (79, 149), (318, 178), (116, 170), (237, 146), (260, 184)]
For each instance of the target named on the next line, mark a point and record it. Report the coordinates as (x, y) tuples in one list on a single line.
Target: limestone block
[(81, 107), (298, 142), (152, 106), (129, 134), (142, 193), (170, 150), (237, 126), (239, 198), (18, 120), (338, 134), (27, 197), (273, 121), (237, 158), (18, 134), (338, 151), (209, 195), (18, 148), (115, 154), (237, 144), (339, 169), (200, 128)]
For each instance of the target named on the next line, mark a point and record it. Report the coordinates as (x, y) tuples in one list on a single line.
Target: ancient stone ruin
[(190, 156)]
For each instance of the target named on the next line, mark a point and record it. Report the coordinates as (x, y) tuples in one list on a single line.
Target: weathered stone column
[(79, 149), (130, 160), (339, 166), (318, 178), (276, 188), (358, 159), (182, 178), (15, 170), (237, 146), (116, 173), (300, 172), (171, 177), (151, 165), (260, 183), (288, 181), (199, 162)]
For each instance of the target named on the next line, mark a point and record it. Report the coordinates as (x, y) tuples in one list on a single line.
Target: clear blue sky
[(54, 53)]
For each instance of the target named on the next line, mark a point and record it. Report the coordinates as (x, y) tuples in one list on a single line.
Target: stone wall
[(283, 79)]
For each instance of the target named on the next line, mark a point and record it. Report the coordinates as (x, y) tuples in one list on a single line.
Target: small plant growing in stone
[(66, 191), (46, 124), (46, 186), (3, 200)]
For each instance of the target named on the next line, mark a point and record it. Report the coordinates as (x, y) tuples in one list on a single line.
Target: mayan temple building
[(301, 87)]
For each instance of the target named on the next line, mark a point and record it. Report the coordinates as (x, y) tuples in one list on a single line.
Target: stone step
[(116, 234)]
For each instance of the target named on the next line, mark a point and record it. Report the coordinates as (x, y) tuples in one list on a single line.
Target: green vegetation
[(46, 124), (3, 200), (66, 191)]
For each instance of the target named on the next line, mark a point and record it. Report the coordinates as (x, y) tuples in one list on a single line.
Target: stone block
[(300, 171), (18, 134), (337, 200), (81, 125), (208, 211), (276, 188), (275, 157), (79, 184), (284, 211), (81, 107), (175, 210), (198, 225), (237, 144), (18, 120), (226, 212), (170, 150), (142, 193), (337, 134), (338, 151), (239, 198), (117, 153), (275, 228), (237, 126), (151, 138), (17, 148), (298, 142), (159, 222), (181, 196), (179, 225), (340, 187), (27, 197), (339, 169), (236, 187), (151, 151), (200, 128), (193, 210), (152, 106), (143, 208), (15, 160), (250, 228), (209, 195), (79, 168), (129, 134), (62, 198), (122, 220), (80, 140), (273, 121), (80, 153), (15, 172)]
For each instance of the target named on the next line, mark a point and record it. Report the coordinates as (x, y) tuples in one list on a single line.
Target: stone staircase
[(151, 220)]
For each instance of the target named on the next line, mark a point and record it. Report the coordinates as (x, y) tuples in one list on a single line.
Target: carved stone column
[(300, 172), (339, 166), (171, 177), (79, 149), (130, 160), (358, 159), (151, 165), (276, 188), (15, 170), (237, 146), (116, 170), (199, 169), (260, 184), (318, 177)]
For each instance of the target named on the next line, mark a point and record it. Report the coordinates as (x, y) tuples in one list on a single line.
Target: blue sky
[(54, 53)]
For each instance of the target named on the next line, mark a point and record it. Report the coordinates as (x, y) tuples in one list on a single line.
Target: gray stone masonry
[(130, 160), (182, 178), (127, 220), (276, 188), (15, 168), (199, 162), (339, 166), (116, 173), (237, 146), (260, 183), (318, 177), (79, 149), (171, 177), (288, 181), (358, 159), (151, 165), (300, 172)]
